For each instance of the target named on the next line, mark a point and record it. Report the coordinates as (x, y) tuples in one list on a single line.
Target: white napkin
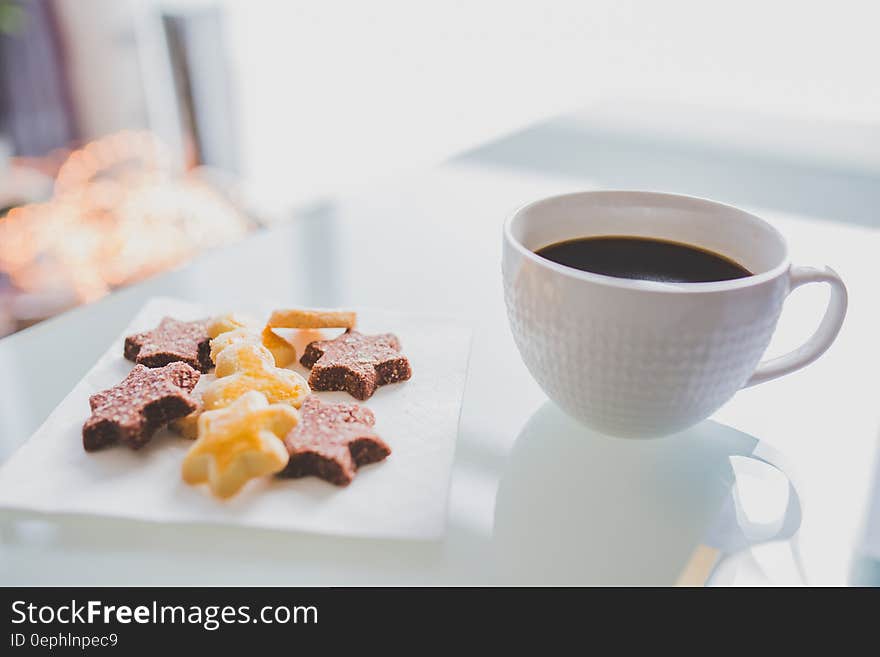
[(402, 497)]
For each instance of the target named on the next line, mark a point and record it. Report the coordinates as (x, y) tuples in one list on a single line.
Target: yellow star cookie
[(282, 350), (244, 367), (240, 354), (226, 329), (188, 425), (229, 322), (239, 443), (229, 338)]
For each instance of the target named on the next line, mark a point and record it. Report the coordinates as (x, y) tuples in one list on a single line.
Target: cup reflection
[(578, 507)]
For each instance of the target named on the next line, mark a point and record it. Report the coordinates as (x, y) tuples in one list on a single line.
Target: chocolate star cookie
[(332, 441), (132, 411), (171, 341), (356, 363)]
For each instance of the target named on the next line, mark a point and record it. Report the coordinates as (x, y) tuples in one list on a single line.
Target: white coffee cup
[(638, 358)]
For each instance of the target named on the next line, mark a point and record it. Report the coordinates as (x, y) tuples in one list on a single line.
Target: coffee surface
[(644, 258)]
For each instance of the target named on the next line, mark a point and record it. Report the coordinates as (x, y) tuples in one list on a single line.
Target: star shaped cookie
[(232, 338), (332, 441), (243, 367), (226, 329), (238, 443), (188, 425), (171, 341), (228, 322), (356, 363), (131, 411)]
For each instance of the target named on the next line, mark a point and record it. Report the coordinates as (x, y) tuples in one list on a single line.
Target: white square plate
[(405, 496)]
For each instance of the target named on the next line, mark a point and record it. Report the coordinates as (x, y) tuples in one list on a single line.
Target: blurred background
[(135, 134)]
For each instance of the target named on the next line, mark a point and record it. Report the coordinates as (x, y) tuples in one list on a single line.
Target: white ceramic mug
[(640, 358)]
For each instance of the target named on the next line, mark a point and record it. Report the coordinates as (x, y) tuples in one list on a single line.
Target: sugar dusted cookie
[(332, 441), (131, 411), (238, 443), (248, 367), (356, 363), (171, 341)]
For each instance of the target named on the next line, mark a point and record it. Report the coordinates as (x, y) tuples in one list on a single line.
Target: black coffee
[(645, 259)]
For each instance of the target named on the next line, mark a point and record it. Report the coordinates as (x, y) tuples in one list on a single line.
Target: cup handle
[(821, 339)]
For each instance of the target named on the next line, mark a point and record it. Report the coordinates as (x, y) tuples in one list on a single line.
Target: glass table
[(534, 497)]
